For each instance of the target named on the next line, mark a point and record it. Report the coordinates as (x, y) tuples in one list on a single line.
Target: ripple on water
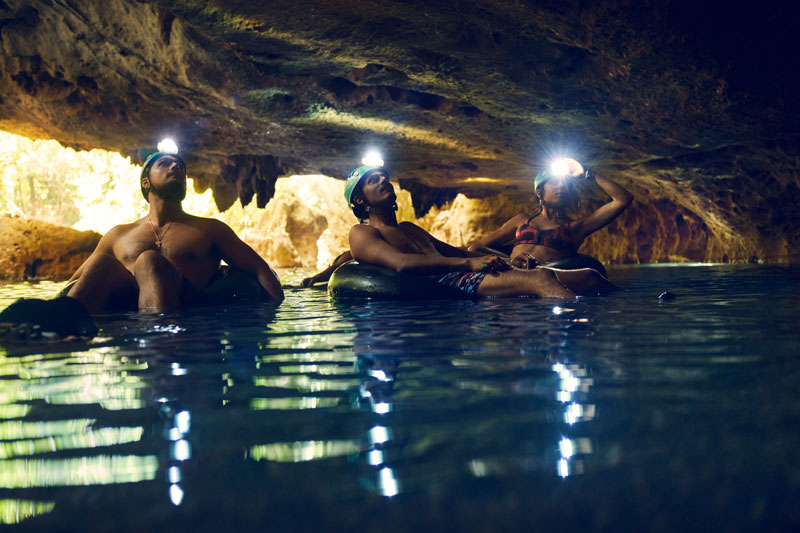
[(234, 416)]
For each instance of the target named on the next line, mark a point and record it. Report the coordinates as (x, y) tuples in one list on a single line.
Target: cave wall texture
[(33, 249), (691, 105)]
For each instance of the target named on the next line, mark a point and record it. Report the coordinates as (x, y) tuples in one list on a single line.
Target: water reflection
[(15, 511), (42, 443), (379, 371), (533, 373), (180, 451), (299, 372), (304, 365), (293, 404), (54, 442), (240, 415), (94, 470), (574, 385), (96, 376), (32, 448), (296, 452)]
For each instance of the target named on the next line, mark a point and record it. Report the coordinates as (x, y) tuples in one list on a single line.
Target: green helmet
[(352, 182), (151, 159), (541, 177)]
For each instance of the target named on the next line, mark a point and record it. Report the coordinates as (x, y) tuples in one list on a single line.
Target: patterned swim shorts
[(466, 282)]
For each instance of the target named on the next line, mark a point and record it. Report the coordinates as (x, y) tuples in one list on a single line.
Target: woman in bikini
[(549, 235)]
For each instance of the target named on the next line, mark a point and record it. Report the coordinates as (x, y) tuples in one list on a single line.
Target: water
[(619, 412)]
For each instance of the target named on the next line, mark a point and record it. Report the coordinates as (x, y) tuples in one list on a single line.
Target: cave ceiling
[(692, 102)]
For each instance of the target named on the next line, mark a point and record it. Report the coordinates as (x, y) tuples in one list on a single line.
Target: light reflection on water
[(15, 511), (97, 470), (409, 409)]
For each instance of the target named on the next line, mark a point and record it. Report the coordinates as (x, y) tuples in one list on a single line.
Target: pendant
[(158, 244)]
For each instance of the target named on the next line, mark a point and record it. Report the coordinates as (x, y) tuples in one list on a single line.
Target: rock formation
[(690, 105), (38, 250)]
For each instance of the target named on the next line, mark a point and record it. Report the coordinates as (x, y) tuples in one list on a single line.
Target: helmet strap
[(369, 209)]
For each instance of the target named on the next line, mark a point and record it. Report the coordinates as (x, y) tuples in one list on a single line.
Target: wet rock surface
[(691, 107)]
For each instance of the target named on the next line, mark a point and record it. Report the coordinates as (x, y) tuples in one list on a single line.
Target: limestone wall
[(307, 223), (37, 250)]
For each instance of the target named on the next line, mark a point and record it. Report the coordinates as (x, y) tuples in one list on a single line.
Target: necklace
[(160, 239)]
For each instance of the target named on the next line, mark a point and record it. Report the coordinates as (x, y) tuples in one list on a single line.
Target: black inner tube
[(358, 280), (576, 262)]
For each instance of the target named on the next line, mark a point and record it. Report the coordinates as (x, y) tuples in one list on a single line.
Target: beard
[(172, 191)]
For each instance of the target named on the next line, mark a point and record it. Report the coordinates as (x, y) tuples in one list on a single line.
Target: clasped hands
[(494, 264), (524, 261)]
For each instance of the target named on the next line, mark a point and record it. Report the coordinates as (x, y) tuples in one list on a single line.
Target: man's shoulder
[(121, 229), (410, 227), (186, 218), (362, 235), (363, 229), (117, 233), (205, 223)]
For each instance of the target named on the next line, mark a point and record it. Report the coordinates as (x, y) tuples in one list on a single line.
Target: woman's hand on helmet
[(574, 168)]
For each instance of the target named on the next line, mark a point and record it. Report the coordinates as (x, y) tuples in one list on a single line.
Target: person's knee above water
[(168, 257), (550, 235), (405, 247)]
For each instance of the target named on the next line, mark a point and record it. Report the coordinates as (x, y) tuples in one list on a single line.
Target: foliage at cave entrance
[(92, 190), (85, 190)]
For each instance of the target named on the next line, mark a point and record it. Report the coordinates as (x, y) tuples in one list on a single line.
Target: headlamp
[(559, 168), (167, 146), (566, 167), (372, 159)]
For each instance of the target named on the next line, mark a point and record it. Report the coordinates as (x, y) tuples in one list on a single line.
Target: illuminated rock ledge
[(37, 250), (690, 105)]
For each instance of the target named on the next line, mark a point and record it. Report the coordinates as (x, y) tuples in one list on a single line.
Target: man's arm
[(442, 247), (368, 246), (238, 254), (325, 275), (105, 246)]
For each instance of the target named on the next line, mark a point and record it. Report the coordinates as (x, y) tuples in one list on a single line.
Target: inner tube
[(33, 318), (232, 285), (356, 280), (576, 262)]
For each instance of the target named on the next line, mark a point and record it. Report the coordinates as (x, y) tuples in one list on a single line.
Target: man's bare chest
[(179, 244), (407, 243)]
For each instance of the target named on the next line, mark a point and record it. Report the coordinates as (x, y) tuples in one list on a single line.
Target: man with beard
[(168, 258), (405, 247)]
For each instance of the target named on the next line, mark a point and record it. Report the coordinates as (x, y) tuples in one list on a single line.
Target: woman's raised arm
[(620, 199)]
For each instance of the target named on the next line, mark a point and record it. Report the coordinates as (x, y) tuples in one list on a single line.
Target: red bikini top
[(559, 238)]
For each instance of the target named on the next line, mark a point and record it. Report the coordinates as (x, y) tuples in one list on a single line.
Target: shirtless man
[(405, 247), (167, 258)]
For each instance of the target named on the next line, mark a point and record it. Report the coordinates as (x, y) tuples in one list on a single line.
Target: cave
[(667, 405), (690, 106)]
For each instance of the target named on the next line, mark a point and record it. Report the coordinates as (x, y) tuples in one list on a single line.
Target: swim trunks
[(467, 282)]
